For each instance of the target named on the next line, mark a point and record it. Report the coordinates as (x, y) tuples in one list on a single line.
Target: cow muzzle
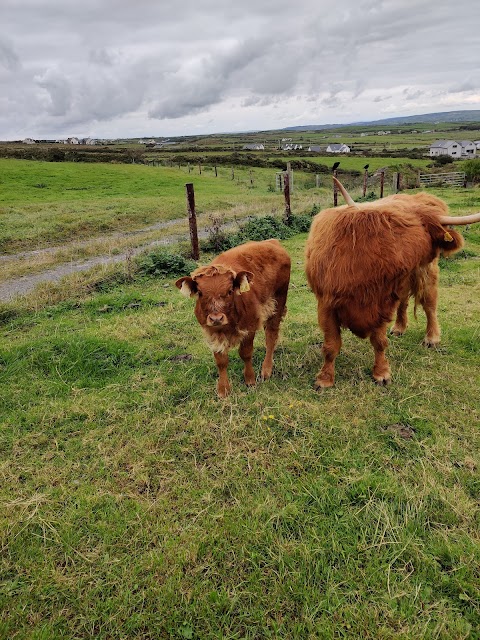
[(216, 319)]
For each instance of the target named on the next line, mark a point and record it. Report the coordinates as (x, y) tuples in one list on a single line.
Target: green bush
[(472, 169), (162, 263)]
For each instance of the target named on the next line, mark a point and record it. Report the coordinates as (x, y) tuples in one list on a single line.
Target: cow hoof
[(323, 384), (397, 332), (382, 381), (431, 343)]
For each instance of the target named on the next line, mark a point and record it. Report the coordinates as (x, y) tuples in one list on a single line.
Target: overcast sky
[(132, 68)]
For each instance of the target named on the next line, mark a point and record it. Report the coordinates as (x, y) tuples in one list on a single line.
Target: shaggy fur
[(362, 260), (241, 291)]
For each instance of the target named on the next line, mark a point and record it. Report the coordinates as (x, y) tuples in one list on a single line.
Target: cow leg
[(428, 300), (332, 343), (381, 368), (246, 352), (272, 329), (401, 321), (223, 385)]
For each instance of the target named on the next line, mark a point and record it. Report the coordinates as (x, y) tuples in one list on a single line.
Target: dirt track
[(22, 285)]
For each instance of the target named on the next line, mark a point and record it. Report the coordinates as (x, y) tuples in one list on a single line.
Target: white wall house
[(28, 141), (338, 148), (446, 148), (316, 148), (254, 147), (291, 147), (468, 148)]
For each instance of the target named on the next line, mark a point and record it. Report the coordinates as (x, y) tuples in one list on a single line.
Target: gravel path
[(22, 285)]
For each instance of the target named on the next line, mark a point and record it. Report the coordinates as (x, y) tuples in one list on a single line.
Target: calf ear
[(242, 281), (188, 286)]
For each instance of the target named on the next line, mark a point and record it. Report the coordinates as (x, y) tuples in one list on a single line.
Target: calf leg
[(381, 368), (223, 385), (332, 343), (246, 351), (272, 329)]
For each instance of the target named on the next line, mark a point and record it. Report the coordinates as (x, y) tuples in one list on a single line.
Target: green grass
[(135, 504), (46, 203)]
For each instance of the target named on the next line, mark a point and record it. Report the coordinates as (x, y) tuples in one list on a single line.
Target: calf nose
[(216, 319)]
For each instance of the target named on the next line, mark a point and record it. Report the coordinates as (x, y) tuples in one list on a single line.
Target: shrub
[(472, 169), (161, 263)]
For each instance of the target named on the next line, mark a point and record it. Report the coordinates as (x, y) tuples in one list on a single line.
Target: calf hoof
[(266, 373), (382, 381), (223, 389), (395, 331), (431, 343), (323, 383)]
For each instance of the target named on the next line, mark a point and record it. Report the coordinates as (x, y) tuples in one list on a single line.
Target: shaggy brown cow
[(241, 291), (364, 260)]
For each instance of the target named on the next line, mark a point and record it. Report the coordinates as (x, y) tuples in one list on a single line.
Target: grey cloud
[(9, 60), (96, 64)]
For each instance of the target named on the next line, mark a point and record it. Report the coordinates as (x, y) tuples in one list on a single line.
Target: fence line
[(454, 179)]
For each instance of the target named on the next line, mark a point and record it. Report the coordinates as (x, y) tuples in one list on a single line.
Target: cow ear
[(188, 286), (242, 281), (450, 242)]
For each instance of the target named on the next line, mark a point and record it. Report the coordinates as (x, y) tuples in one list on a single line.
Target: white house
[(316, 148), (28, 141), (291, 147), (468, 148), (446, 148), (254, 147), (338, 148)]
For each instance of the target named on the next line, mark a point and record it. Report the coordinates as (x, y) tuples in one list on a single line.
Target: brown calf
[(363, 261), (241, 291)]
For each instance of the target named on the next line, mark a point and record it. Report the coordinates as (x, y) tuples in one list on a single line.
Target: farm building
[(338, 148), (446, 148), (253, 147), (316, 148), (453, 148), (292, 147), (28, 141), (468, 148)]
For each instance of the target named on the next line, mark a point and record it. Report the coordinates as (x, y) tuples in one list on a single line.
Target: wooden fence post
[(192, 220), (286, 193), (382, 182), (200, 168), (216, 174), (335, 190), (233, 174), (365, 179), (317, 180)]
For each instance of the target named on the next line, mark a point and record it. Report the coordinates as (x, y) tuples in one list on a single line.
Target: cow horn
[(344, 192), (475, 217)]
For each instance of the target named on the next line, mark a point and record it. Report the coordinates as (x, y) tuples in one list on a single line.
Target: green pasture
[(49, 203), (43, 203), (135, 504)]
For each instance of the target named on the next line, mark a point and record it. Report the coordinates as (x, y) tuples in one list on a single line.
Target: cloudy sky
[(132, 68)]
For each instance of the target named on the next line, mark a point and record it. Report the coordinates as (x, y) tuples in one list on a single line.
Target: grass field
[(135, 504)]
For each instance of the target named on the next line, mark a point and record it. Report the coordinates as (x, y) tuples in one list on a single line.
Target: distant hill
[(442, 116)]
